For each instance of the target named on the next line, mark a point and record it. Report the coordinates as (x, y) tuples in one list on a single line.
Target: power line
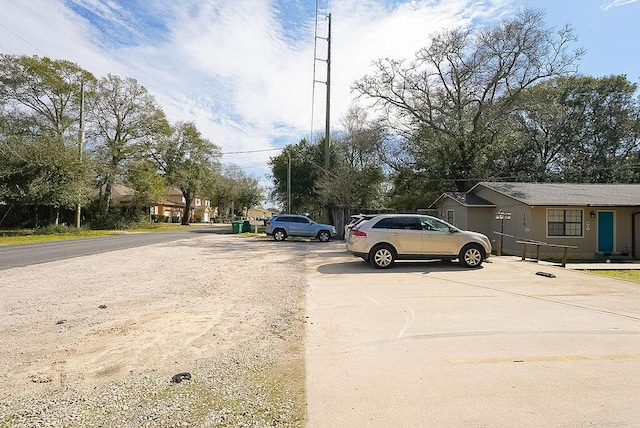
[(250, 151), (18, 36)]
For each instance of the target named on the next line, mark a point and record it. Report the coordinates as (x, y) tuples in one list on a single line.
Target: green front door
[(605, 231)]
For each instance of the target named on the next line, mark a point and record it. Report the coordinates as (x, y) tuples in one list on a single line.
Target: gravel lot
[(95, 341)]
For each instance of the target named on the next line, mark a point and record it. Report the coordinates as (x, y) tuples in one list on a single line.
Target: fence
[(524, 242)]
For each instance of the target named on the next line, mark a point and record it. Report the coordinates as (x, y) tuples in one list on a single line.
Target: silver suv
[(284, 225), (389, 237)]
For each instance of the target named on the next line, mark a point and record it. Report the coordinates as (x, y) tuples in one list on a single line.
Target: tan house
[(601, 220), (172, 208), (256, 213)]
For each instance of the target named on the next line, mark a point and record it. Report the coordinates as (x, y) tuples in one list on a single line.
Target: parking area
[(434, 344)]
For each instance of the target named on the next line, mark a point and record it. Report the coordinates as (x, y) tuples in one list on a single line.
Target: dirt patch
[(95, 341)]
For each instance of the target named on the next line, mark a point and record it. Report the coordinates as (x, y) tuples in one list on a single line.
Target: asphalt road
[(29, 254)]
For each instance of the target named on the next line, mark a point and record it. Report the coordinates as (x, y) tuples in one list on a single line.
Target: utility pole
[(289, 185), (327, 128), (327, 132), (80, 146)]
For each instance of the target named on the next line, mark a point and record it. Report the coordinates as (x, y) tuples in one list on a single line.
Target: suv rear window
[(291, 219), (402, 223)]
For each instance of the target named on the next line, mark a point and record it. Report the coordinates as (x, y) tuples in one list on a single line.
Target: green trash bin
[(236, 226), (246, 226)]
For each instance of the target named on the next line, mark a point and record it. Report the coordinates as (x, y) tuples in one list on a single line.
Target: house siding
[(587, 243), (477, 219), (520, 224), (531, 223), (481, 220), (459, 213)]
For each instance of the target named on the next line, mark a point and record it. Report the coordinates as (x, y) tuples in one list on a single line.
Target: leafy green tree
[(187, 161), (233, 190), (124, 119), (538, 136), (449, 105), (42, 93), (39, 112), (355, 180), (150, 187), (248, 192), (306, 169), (411, 190), (42, 171), (604, 120), (219, 189), (578, 128)]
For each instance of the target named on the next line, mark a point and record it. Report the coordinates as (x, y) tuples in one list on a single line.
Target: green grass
[(61, 233), (631, 275), (27, 236)]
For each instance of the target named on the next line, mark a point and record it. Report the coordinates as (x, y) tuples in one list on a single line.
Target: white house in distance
[(601, 220)]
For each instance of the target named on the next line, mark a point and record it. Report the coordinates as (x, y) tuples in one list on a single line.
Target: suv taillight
[(358, 233), (268, 223)]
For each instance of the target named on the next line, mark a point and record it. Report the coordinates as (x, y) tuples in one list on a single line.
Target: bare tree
[(448, 105)]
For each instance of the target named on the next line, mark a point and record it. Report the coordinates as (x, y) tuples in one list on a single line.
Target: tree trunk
[(187, 208), (54, 215), (340, 216), (107, 197)]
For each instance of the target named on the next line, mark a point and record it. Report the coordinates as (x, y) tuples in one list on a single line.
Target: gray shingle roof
[(568, 194), (466, 199)]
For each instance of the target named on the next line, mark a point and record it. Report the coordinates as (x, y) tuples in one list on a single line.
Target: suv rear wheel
[(471, 256), (382, 257), (279, 235)]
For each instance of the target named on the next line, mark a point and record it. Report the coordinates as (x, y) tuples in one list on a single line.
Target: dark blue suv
[(283, 225)]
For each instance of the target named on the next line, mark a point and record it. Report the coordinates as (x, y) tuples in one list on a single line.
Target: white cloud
[(47, 28), (618, 3)]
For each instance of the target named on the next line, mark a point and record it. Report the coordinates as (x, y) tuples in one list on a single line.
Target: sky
[(243, 70)]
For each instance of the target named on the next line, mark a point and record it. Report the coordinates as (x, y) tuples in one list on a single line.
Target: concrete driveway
[(427, 344)]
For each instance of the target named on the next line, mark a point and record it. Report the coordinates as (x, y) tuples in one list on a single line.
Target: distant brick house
[(256, 213), (169, 210), (598, 219), (172, 208)]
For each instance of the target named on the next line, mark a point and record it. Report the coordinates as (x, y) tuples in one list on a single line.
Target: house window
[(198, 202), (564, 223), (450, 217)]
